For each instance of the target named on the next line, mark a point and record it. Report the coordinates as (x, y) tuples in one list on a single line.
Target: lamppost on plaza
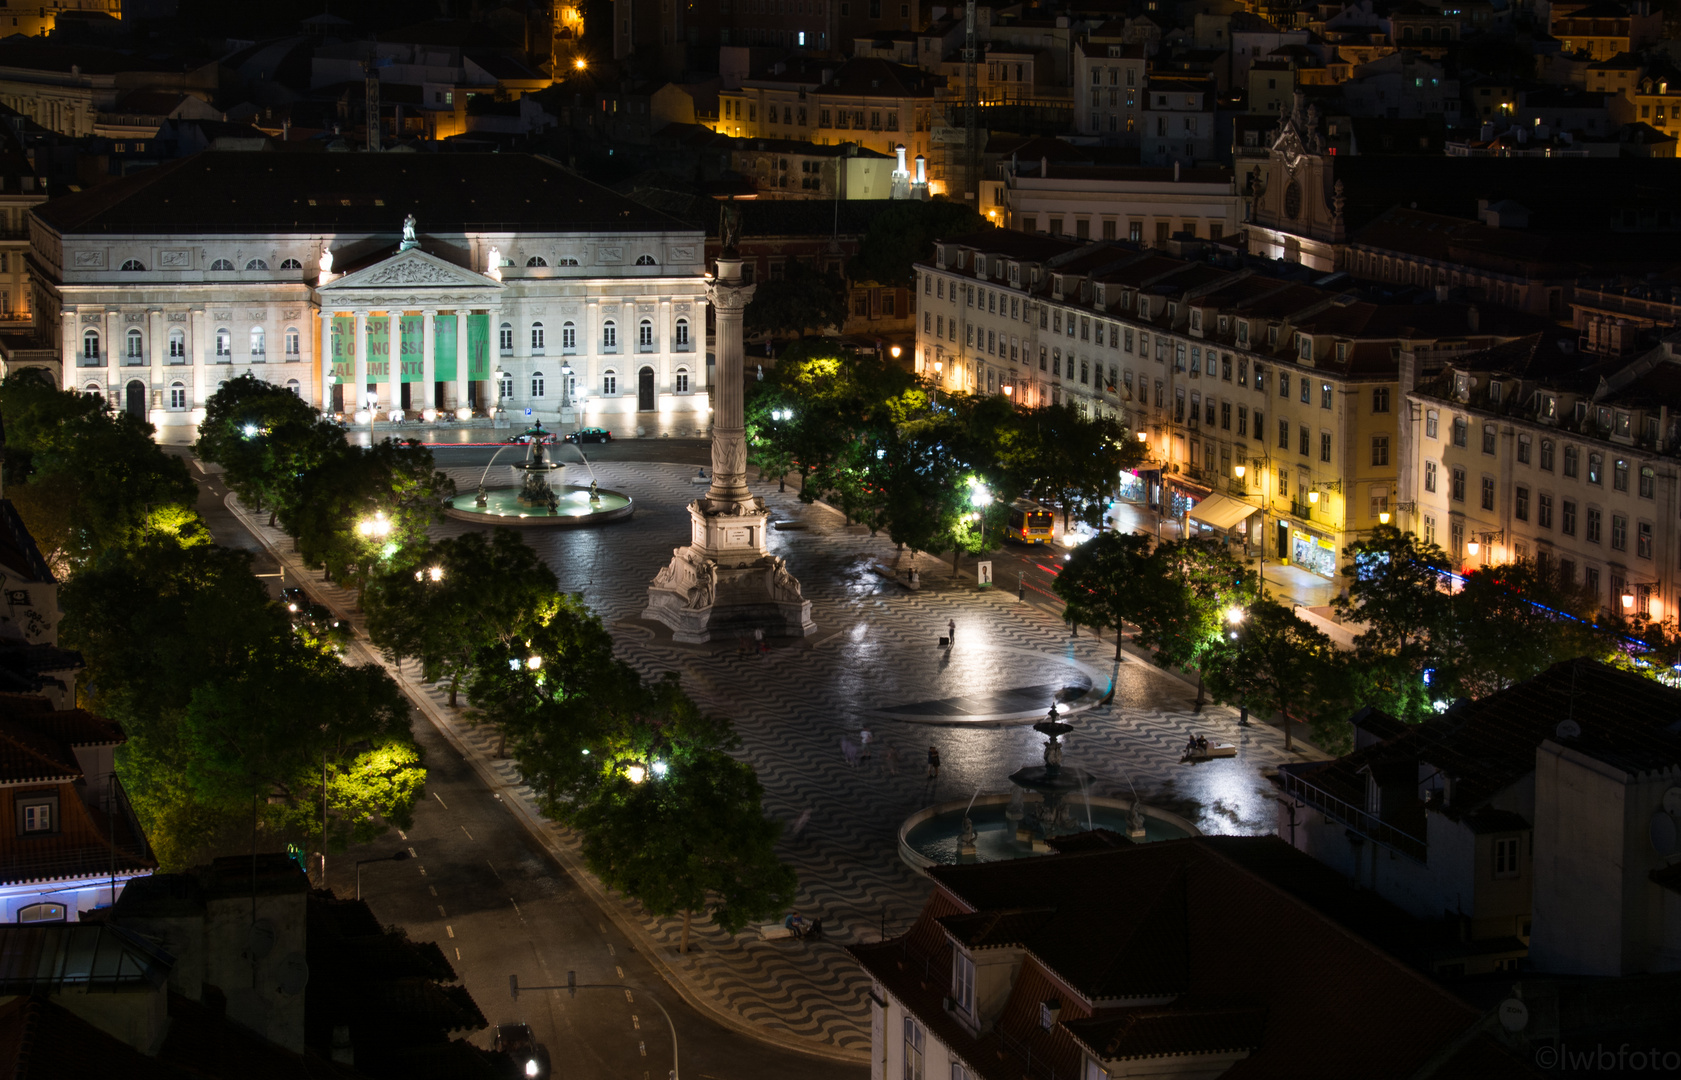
[(372, 530), (566, 392), (397, 856), (939, 366), (781, 416)]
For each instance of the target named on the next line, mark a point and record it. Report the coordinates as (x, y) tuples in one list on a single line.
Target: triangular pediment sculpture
[(412, 269)]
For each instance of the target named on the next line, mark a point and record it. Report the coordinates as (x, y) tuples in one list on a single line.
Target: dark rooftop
[(222, 192)]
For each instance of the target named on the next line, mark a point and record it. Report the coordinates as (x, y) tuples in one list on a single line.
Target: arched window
[(505, 339), (536, 260), (294, 343), (291, 264), (177, 395), (538, 337), (136, 350), (177, 346), (682, 380), (568, 337), (536, 384), (95, 389), (610, 336), (567, 262), (133, 265), (296, 388), (256, 264), (680, 335), (221, 264), (90, 345), (609, 382), (645, 335), (224, 345), (505, 386), (258, 344), (41, 913), (645, 260)]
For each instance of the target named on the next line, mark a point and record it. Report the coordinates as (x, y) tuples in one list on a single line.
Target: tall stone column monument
[(724, 583)]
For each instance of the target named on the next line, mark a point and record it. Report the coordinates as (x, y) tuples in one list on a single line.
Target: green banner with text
[(379, 349), (478, 347), (410, 348), (344, 365), (443, 347)]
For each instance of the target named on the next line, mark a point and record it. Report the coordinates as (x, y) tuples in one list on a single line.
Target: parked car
[(590, 434), (528, 1059)]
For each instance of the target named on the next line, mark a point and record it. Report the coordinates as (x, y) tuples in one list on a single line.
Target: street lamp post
[(573, 986), (397, 856)]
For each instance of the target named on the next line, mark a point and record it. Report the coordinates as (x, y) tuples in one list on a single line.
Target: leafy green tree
[(1510, 623), (1099, 582), (903, 234), (441, 605), (1067, 459), (86, 480), (1273, 662), (364, 506), (1398, 587), (266, 438), (1183, 598), (693, 839), (804, 299)]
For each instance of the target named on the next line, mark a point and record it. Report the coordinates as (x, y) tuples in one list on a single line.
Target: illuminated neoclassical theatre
[(375, 286)]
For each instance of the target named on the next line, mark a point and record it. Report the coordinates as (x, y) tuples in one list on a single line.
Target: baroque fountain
[(542, 498), (1047, 801)]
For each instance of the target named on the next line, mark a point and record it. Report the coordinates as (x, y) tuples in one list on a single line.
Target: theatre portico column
[(428, 362), (359, 345), (394, 360), (462, 360), (493, 386)]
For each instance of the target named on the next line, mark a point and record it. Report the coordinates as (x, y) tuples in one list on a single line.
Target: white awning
[(1221, 511)]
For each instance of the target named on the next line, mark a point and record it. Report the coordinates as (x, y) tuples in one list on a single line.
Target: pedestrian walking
[(933, 762), (951, 631), (849, 750), (864, 741)]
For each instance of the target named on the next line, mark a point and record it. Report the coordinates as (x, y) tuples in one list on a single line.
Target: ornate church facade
[(376, 287)]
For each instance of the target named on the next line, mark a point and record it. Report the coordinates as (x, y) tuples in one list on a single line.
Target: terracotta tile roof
[(1256, 947), (39, 1038), (31, 756)]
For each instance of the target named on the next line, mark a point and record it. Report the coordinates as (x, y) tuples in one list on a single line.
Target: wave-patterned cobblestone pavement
[(796, 707)]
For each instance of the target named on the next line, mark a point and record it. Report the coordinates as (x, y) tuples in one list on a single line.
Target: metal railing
[(1360, 821)]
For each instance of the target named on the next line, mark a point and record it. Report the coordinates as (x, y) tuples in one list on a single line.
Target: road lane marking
[(450, 930), (620, 970), (441, 913), (492, 866), (636, 1022), (440, 799), (402, 835), (629, 998), (412, 855), (469, 835), (423, 871), (433, 889), (517, 911), (458, 952), (642, 1046), (610, 951)]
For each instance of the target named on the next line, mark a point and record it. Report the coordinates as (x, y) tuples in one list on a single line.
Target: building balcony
[(1354, 818)]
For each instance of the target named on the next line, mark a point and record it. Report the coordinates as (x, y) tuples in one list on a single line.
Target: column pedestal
[(725, 583)]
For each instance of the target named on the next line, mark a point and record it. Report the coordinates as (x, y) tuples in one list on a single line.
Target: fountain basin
[(929, 837), (502, 507)]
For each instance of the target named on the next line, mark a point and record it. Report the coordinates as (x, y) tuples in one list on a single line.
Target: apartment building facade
[(873, 103), (1272, 393), (1532, 451)]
